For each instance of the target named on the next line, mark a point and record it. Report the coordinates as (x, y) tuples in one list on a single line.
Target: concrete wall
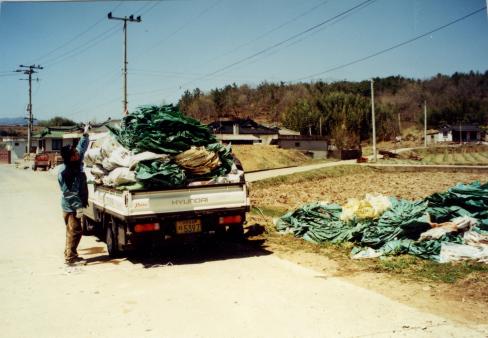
[(18, 151), (469, 136), (318, 154), (65, 142), (266, 139), (17, 148), (441, 138), (306, 145)]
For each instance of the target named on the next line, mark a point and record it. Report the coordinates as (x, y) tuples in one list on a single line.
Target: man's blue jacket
[(74, 197)]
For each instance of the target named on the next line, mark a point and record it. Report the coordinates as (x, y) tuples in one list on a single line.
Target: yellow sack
[(198, 160)]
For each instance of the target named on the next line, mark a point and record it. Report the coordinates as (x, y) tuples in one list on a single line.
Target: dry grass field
[(261, 157), (456, 290)]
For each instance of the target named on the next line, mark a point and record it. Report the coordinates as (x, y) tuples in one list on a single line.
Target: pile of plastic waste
[(160, 147), (443, 227)]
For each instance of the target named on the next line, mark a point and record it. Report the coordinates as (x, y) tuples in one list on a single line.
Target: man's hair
[(66, 152)]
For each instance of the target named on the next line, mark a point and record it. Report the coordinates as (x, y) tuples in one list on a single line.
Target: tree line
[(342, 110)]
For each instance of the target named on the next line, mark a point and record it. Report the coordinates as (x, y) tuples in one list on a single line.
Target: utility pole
[(29, 70), (125, 19), (399, 125), (374, 123), (461, 131), (425, 123), (320, 126)]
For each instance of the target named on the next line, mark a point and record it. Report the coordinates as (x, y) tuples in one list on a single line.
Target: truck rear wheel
[(85, 227), (111, 239), (236, 232)]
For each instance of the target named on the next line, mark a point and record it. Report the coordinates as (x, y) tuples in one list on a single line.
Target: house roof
[(303, 138), (460, 127), (246, 126), (57, 132), (231, 137)]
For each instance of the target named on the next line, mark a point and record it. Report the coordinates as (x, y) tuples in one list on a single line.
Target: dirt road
[(226, 290), (262, 175)]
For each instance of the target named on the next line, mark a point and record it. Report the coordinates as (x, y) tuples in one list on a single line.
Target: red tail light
[(230, 219), (146, 227)]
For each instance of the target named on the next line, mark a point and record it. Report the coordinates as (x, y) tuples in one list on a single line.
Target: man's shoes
[(74, 261)]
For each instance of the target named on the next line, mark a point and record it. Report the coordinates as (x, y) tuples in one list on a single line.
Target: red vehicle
[(47, 160)]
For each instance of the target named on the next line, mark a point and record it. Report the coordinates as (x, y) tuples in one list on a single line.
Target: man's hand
[(79, 213), (85, 130)]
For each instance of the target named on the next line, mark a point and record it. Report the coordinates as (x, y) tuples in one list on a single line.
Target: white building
[(455, 133), (16, 145)]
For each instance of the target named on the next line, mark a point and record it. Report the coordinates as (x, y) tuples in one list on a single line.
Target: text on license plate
[(188, 226)]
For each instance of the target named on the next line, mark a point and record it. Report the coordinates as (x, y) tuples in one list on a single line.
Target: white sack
[(436, 233), (98, 171), (108, 165), (108, 145), (144, 156), (451, 252), (120, 157), (367, 253), (119, 176), (465, 222), (474, 238), (92, 156)]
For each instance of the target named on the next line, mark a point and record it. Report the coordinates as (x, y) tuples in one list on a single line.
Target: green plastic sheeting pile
[(398, 229), (461, 200), (162, 130), (165, 130)]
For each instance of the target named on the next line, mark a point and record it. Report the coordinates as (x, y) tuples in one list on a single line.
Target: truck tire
[(111, 239), (236, 232), (86, 227)]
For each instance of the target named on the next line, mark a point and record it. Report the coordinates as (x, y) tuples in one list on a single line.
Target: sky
[(184, 44)]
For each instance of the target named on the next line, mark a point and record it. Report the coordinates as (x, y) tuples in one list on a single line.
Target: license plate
[(188, 226)]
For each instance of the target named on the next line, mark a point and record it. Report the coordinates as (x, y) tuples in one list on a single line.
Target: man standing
[(72, 181)]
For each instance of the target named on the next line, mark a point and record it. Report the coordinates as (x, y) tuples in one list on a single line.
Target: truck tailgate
[(189, 199)]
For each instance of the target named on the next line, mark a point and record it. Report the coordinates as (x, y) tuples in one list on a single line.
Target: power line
[(179, 29), (93, 41), (269, 31), (8, 74), (297, 41), (282, 42), (94, 87), (212, 75), (76, 36), (83, 47), (394, 46)]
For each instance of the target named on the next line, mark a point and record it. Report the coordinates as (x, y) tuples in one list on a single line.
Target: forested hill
[(344, 107)]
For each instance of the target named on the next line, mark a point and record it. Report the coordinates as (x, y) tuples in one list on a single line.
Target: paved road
[(225, 290)]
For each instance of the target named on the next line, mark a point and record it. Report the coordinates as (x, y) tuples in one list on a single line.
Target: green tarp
[(165, 130), (398, 229), (162, 130)]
